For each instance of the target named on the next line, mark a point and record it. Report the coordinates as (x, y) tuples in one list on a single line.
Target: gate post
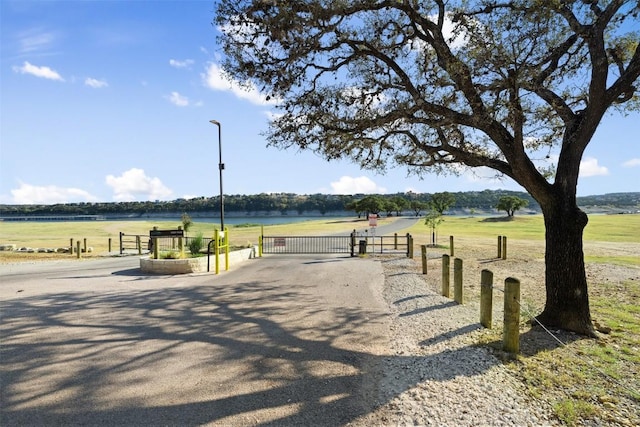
[(424, 259), (216, 237), (353, 243), (154, 242), (121, 234), (409, 246)]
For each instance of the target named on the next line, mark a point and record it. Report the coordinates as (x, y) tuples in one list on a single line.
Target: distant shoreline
[(235, 217)]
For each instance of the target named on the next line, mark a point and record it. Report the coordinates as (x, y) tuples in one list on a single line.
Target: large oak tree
[(443, 85)]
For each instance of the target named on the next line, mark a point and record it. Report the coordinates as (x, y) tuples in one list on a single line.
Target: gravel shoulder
[(438, 375)]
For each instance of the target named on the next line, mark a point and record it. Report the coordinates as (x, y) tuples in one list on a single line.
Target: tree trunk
[(567, 303)]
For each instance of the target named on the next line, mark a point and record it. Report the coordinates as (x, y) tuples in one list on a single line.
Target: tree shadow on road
[(194, 355)]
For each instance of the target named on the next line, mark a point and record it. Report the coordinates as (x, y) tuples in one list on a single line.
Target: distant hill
[(292, 204)]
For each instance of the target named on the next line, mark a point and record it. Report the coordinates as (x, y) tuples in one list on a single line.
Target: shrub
[(196, 244), (170, 255)]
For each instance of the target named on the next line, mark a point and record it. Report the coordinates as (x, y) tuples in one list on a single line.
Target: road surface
[(282, 340)]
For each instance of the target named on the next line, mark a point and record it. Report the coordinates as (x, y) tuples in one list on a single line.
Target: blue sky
[(111, 101)]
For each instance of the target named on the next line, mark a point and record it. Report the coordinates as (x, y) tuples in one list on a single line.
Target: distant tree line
[(286, 203)]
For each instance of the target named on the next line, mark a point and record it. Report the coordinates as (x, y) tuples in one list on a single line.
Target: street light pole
[(220, 168)]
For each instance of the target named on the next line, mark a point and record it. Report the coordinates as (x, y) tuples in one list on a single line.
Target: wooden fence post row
[(511, 334), (502, 247)]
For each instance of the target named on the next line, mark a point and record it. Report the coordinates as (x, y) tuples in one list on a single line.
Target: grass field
[(97, 233), (586, 381)]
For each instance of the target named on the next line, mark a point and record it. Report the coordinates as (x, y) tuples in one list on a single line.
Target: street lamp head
[(215, 122)]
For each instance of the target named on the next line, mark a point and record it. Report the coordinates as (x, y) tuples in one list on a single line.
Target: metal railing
[(352, 244), (307, 244)]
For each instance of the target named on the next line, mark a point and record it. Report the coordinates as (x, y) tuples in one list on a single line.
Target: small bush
[(196, 244), (170, 255)]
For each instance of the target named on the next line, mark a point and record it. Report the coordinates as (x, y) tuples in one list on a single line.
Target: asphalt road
[(281, 340)]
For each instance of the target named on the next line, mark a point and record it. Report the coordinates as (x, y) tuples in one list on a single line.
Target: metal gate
[(352, 244)]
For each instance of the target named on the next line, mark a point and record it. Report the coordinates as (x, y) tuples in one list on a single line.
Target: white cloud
[(589, 167), (28, 194), (631, 163), (95, 83), (216, 79), (177, 99), (359, 185), (450, 32), (134, 184), (35, 40), (42, 72), (181, 64)]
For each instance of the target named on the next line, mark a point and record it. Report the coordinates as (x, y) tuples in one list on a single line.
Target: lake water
[(262, 220), (228, 220)]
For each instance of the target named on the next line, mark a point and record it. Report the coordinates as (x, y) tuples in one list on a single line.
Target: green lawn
[(608, 228)]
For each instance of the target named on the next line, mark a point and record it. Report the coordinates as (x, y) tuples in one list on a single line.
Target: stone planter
[(193, 265)]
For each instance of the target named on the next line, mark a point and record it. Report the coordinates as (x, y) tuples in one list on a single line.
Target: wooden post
[(180, 244), (139, 244), (78, 249), (84, 244), (395, 241), (409, 246), (486, 298), (71, 246), (121, 248), (511, 338), (445, 276), (424, 259), (458, 294), (451, 245), (109, 244), (154, 242), (499, 246), (504, 247)]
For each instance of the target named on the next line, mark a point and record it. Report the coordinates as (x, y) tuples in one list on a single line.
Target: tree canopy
[(438, 85), (516, 86), (510, 204), (440, 202)]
